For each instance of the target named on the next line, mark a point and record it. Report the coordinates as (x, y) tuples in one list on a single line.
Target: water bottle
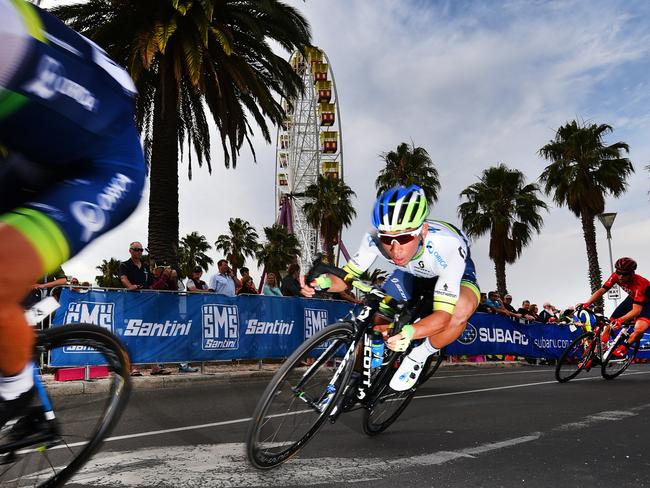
[(377, 351)]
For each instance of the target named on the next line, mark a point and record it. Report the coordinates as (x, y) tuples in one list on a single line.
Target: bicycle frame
[(363, 324)]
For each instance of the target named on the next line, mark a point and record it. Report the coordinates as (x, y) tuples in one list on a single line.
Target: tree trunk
[(500, 269), (589, 231), (163, 198)]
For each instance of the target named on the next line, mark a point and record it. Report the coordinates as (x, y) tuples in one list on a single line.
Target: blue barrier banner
[(167, 327), (494, 334)]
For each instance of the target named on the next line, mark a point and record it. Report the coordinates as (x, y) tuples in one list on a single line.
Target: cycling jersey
[(444, 255), (638, 294), (76, 167), (638, 288)]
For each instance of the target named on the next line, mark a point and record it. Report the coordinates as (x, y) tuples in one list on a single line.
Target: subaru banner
[(168, 327)]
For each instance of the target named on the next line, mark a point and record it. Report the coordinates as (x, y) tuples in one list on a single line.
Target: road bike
[(333, 372), (52, 439), (588, 350)]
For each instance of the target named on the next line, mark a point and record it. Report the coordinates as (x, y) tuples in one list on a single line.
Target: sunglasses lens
[(401, 240)]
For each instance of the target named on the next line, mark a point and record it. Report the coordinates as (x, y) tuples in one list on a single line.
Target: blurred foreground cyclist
[(433, 263), (75, 167)]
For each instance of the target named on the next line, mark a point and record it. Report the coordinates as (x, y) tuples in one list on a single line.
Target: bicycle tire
[(104, 342), (379, 415), (575, 357), (613, 367), (266, 447)]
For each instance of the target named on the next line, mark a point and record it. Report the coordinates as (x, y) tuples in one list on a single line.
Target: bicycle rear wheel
[(613, 367), (385, 404), (575, 357), (300, 396), (35, 451)]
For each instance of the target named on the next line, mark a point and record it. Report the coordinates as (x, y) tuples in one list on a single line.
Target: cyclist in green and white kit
[(433, 264)]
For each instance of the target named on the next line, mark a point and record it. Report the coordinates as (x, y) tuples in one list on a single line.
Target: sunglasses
[(401, 238), (137, 249), (623, 275)]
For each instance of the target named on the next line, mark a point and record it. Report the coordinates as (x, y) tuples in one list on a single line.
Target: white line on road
[(509, 387)]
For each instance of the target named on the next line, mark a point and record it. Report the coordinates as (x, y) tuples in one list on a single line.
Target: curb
[(181, 380)]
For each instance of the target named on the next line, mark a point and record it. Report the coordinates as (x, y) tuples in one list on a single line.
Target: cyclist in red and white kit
[(635, 307)]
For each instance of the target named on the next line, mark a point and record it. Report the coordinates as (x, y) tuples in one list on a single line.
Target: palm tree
[(409, 165), (185, 56), (192, 252), (241, 242), (329, 209), (502, 204), (110, 277), (583, 171), (279, 251)]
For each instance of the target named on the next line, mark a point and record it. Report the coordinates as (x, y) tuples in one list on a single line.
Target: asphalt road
[(481, 427)]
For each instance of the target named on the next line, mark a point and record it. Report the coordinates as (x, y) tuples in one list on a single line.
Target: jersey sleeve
[(611, 281), (364, 257), (447, 288)]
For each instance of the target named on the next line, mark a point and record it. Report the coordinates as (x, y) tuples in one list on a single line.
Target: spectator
[(195, 283), (247, 286), (548, 313), (507, 303), (44, 287), (165, 278), (223, 283), (271, 287), (74, 285), (245, 274), (482, 306), (567, 315), (533, 311), (524, 310), (134, 275), (494, 301), (290, 283)]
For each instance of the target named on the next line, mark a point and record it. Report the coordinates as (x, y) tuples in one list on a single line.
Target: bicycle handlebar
[(319, 267)]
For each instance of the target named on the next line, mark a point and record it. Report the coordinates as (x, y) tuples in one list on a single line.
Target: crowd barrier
[(177, 327), (158, 327)]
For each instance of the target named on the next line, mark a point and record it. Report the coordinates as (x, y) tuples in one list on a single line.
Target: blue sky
[(476, 84)]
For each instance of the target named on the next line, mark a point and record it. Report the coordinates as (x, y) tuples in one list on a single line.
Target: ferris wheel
[(309, 143)]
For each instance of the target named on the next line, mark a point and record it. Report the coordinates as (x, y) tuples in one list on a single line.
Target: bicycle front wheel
[(613, 367), (46, 451), (385, 404), (575, 357), (300, 396)]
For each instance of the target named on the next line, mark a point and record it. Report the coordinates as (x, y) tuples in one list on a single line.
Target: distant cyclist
[(75, 167), (433, 261), (635, 307)]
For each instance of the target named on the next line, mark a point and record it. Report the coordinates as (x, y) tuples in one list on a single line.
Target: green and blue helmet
[(400, 208)]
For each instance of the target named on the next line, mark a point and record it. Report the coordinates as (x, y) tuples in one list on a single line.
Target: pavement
[(215, 373)]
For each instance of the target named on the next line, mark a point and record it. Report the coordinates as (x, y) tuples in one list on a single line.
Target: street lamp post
[(607, 219)]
